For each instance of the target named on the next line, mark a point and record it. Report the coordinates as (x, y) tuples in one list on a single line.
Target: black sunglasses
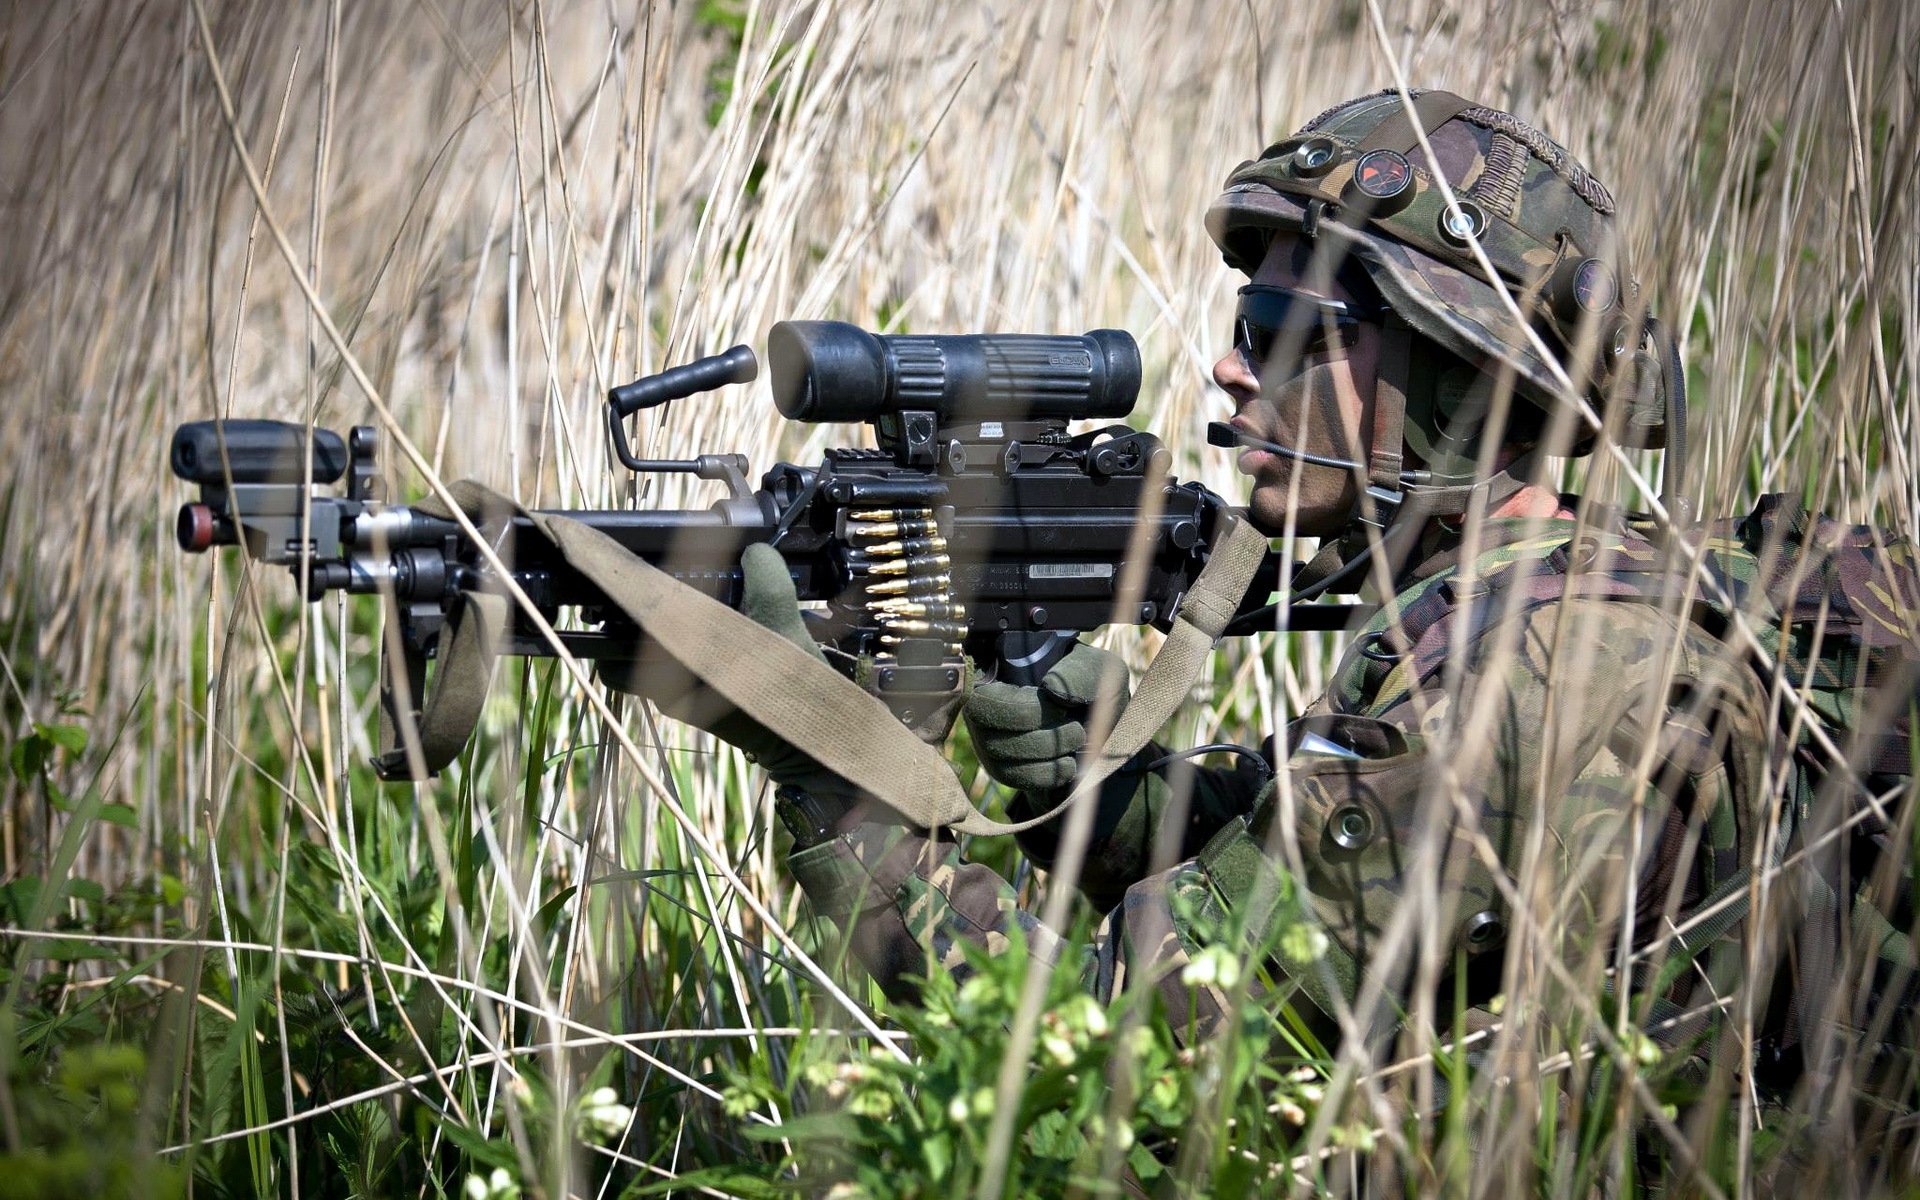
[(1299, 323)]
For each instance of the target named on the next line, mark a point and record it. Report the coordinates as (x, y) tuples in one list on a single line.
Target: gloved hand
[(1029, 738)]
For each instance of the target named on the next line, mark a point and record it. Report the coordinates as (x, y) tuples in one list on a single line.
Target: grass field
[(237, 964)]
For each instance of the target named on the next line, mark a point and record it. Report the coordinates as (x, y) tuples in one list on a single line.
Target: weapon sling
[(801, 699)]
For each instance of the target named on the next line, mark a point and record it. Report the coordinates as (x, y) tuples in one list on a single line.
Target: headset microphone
[(1219, 433)]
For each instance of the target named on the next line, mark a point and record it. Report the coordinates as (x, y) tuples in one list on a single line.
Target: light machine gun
[(979, 527)]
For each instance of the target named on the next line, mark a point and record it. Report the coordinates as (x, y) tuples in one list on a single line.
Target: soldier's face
[(1308, 386)]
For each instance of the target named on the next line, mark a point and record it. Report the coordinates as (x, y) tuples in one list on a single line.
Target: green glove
[(1029, 738)]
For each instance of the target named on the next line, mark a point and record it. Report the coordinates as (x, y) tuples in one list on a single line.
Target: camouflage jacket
[(1413, 820)]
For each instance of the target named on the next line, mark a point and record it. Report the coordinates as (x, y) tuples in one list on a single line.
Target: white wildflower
[(1304, 944), (1083, 1013), (1058, 1048), (1213, 966), (601, 1115), (497, 1186)]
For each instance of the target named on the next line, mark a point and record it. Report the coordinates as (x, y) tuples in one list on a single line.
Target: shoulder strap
[(427, 733)]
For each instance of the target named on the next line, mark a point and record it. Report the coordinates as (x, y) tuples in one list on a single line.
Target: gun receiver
[(978, 527)]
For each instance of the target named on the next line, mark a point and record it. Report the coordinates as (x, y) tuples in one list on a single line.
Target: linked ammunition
[(952, 631), (923, 564), (913, 588), (953, 648), (894, 529), (867, 516), (918, 545), (937, 609)]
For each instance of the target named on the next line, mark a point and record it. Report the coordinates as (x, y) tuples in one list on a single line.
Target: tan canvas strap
[(427, 733), (839, 724)]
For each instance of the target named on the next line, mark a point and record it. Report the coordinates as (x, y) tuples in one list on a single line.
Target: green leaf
[(543, 919), (28, 757), (938, 1150), (120, 814), (86, 889), (71, 738), (484, 1150), (731, 1180), (813, 1127), (631, 876), (72, 950), (17, 899)]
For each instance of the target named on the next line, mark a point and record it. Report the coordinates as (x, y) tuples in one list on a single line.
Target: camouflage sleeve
[(907, 901), (1147, 819), (1609, 793)]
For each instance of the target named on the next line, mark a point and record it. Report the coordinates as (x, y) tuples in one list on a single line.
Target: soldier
[(1506, 757)]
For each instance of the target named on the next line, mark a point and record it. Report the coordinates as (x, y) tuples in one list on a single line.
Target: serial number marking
[(1070, 571)]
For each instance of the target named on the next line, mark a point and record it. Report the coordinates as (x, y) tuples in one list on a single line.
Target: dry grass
[(505, 208)]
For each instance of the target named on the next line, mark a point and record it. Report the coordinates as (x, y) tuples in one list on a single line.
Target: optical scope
[(833, 371)]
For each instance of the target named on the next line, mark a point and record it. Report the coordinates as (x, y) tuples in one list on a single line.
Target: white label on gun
[(1070, 571), (992, 429)]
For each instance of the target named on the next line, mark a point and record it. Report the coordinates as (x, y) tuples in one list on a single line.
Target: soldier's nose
[(1235, 377)]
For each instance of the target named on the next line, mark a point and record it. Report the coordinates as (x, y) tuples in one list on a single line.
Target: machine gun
[(978, 527)]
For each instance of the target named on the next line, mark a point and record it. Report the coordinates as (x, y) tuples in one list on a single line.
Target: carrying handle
[(737, 365)]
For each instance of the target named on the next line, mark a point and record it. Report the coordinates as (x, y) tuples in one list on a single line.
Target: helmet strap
[(1673, 462), (1378, 517), (1378, 505), (1392, 509)]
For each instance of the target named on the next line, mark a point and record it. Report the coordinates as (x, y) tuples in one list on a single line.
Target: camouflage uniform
[(1307, 870)]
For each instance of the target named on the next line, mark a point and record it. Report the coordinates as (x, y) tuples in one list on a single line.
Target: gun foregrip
[(255, 452)]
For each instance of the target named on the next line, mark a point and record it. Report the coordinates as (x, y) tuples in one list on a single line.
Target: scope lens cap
[(827, 371)]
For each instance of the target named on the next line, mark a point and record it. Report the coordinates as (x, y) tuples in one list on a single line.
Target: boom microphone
[(1219, 433)]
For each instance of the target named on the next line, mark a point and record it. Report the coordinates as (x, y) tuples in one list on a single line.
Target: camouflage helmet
[(1357, 173)]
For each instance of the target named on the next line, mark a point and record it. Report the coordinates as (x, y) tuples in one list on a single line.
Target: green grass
[(236, 964)]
